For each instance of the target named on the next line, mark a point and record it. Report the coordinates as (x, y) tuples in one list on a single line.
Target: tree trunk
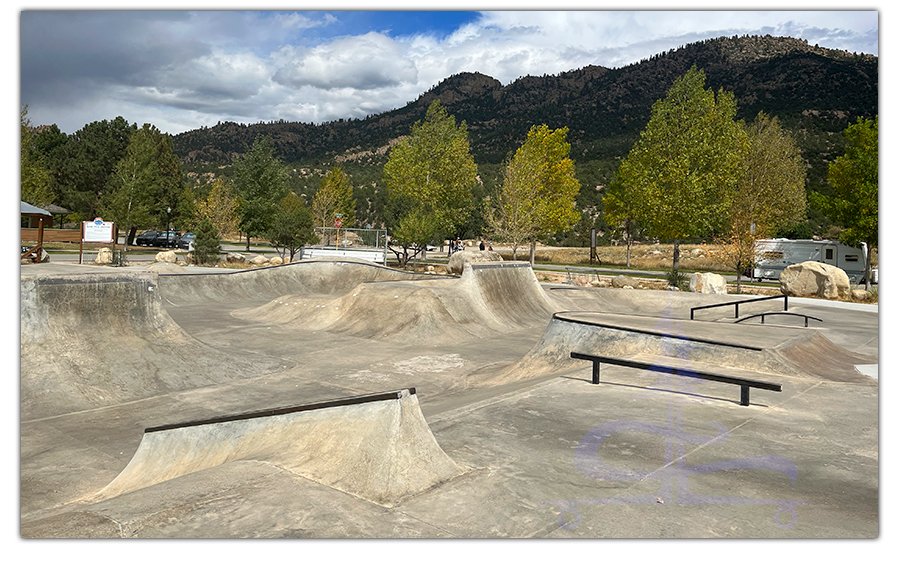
[(628, 251), (739, 280), (868, 268), (676, 255), (248, 243), (531, 252)]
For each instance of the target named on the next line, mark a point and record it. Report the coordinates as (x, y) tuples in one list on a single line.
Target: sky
[(181, 70)]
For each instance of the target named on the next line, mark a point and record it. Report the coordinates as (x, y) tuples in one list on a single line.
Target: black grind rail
[(737, 304), (569, 316), (391, 395), (762, 315), (745, 383)]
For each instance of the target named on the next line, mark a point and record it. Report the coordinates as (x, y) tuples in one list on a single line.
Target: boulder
[(621, 281), (235, 258), (707, 283), (459, 260), (260, 261), (167, 256), (276, 261), (859, 295), (165, 268), (815, 279), (104, 256)]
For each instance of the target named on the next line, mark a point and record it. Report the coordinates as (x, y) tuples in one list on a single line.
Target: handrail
[(737, 304), (763, 315)]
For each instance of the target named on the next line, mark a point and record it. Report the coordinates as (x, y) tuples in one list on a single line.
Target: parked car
[(166, 239), (146, 239), (186, 242)]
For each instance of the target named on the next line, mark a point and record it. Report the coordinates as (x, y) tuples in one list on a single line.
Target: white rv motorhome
[(774, 255)]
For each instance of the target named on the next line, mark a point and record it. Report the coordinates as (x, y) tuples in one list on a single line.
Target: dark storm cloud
[(89, 51)]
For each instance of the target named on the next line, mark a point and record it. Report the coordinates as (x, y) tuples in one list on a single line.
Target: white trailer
[(774, 255)]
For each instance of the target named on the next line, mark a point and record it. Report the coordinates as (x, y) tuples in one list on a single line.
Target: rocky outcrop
[(816, 280)]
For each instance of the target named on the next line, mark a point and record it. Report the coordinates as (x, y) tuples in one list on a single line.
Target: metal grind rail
[(737, 304), (762, 316), (390, 395), (745, 383)]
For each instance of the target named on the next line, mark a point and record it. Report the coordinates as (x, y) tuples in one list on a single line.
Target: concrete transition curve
[(89, 341), (308, 277), (488, 299), (778, 351), (376, 447)]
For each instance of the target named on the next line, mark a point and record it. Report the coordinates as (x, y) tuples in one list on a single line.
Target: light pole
[(168, 224)]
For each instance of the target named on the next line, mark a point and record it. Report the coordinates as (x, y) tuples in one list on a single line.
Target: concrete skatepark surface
[(137, 390)]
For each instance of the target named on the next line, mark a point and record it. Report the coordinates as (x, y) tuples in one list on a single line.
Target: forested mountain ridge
[(814, 91)]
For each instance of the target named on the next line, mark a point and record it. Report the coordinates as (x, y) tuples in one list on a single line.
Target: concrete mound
[(89, 341), (489, 299), (820, 357), (306, 277), (780, 351), (378, 447)]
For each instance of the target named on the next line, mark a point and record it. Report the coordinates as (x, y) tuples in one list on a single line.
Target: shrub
[(206, 244), (678, 279)]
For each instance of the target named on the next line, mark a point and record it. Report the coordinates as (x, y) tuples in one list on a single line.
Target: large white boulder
[(459, 260), (104, 256), (708, 283), (815, 279), (623, 281), (167, 256)]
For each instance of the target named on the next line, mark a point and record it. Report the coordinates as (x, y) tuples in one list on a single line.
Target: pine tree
[(206, 244)]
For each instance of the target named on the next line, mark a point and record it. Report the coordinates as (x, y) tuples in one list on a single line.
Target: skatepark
[(342, 399)]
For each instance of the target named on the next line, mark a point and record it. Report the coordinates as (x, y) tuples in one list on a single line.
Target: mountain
[(815, 92)]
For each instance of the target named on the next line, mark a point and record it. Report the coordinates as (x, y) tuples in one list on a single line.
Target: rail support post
[(745, 396), (595, 374)]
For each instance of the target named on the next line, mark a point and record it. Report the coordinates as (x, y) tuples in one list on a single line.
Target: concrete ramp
[(94, 340), (771, 349), (489, 299), (307, 277), (820, 357), (376, 447)]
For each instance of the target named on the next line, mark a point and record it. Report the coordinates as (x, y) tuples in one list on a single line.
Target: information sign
[(98, 232)]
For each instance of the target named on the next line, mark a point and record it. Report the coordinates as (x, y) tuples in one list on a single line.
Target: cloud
[(365, 62), (167, 68)]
